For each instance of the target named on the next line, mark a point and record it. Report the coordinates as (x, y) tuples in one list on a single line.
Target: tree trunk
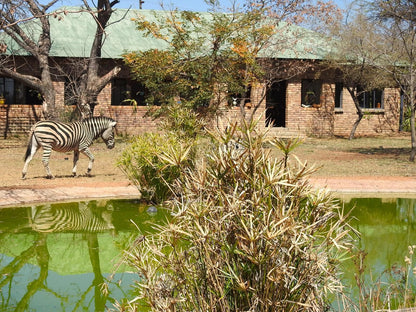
[(39, 48), (48, 105), (47, 88), (356, 123), (412, 120), (90, 88), (91, 84), (354, 95), (413, 134)]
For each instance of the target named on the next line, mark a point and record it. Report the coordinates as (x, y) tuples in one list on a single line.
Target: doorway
[(276, 104)]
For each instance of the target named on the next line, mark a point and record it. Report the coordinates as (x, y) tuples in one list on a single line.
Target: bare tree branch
[(15, 16)]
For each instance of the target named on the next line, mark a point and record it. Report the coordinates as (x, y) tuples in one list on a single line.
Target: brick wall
[(130, 120), (375, 121), (317, 121), (326, 120), (17, 119)]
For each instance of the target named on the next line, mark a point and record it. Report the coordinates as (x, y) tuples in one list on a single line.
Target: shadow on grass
[(380, 151)]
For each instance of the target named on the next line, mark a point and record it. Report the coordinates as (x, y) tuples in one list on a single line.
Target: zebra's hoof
[(50, 177), (23, 177)]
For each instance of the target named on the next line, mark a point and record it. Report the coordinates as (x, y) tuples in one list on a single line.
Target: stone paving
[(24, 196), (359, 186)]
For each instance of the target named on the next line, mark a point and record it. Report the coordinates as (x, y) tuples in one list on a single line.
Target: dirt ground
[(109, 181), (105, 171)]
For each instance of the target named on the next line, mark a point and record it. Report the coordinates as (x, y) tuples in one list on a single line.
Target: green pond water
[(387, 227), (55, 257)]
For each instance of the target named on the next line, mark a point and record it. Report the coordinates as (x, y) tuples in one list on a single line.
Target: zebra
[(82, 218), (64, 137)]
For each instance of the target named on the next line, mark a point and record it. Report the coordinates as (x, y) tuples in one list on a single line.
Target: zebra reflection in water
[(49, 218), (78, 217), (64, 137)]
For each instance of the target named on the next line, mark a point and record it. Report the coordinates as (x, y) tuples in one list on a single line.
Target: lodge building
[(283, 110)]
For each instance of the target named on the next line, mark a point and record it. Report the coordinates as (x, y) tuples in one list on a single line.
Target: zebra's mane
[(97, 125)]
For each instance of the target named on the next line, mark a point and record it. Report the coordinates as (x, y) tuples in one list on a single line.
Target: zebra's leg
[(76, 157), (87, 153), (31, 151), (45, 159)]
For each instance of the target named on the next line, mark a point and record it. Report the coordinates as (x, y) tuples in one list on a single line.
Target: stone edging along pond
[(344, 186), (12, 197)]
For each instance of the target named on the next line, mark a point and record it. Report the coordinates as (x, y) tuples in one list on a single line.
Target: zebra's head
[(108, 134)]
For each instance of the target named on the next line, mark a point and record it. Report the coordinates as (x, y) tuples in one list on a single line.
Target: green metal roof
[(73, 34)]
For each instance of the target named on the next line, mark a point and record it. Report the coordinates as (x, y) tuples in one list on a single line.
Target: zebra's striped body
[(51, 219), (65, 137)]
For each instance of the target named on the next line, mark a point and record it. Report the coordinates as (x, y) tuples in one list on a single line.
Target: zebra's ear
[(113, 124)]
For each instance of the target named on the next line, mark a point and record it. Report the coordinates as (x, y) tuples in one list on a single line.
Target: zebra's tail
[(29, 145)]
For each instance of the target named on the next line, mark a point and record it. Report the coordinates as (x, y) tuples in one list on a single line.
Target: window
[(32, 96), (311, 92), (18, 93), (338, 94), (370, 99), (241, 98), (125, 91), (7, 89)]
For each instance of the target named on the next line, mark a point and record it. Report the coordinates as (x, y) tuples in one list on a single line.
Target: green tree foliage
[(207, 57), (248, 234)]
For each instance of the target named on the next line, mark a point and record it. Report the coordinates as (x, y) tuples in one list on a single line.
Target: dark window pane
[(311, 92), (338, 94), (127, 92)]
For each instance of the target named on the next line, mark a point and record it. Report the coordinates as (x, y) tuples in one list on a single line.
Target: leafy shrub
[(248, 234), (153, 162), (179, 119)]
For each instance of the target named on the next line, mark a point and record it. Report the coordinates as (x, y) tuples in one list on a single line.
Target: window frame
[(311, 88), (18, 93), (124, 85), (369, 100), (236, 99), (5, 84)]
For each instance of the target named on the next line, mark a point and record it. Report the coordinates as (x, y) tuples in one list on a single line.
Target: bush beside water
[(248, 233)]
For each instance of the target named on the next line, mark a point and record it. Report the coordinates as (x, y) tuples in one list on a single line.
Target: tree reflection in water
[(30, 238)]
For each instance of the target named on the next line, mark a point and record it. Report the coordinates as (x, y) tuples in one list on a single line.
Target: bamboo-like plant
[(248, 233)]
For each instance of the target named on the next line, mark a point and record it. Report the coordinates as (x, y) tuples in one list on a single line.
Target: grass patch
[(372, 156)]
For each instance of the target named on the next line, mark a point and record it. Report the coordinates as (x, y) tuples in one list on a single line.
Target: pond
[(387, 227), (55, 257)]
